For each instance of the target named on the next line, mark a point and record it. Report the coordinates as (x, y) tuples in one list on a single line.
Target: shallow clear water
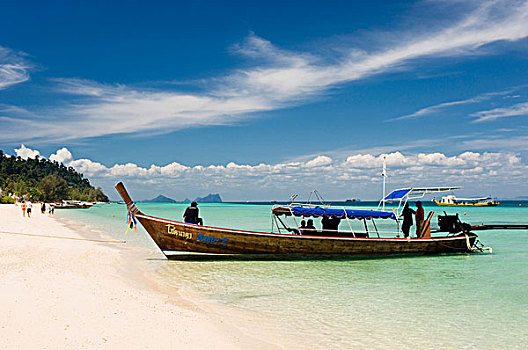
[(451, 301)]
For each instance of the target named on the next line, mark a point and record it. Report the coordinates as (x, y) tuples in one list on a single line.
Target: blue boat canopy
[(340, 213), (415, 193), (397, 194)]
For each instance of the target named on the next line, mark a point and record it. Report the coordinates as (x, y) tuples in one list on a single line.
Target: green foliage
[(42, 179), (7, 200), (53, 188)]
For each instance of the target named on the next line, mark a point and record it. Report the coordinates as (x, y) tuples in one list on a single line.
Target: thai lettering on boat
[(171, 230)]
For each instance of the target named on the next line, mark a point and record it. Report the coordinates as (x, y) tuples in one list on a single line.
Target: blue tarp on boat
[(340, 213)]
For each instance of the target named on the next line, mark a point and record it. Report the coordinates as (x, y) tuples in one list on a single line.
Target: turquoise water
[(457, 301)]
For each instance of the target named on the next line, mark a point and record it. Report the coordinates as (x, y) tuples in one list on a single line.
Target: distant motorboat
[(452, 201)]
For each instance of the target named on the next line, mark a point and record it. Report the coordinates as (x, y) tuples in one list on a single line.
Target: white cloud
[(25, 153), (442, 106), (13, 68), (279, 78), (319, 161), (63, 155), (518, 109), (358, 175)]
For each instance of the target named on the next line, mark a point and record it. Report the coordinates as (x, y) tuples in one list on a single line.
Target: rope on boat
[(476, 248), (63, 237)]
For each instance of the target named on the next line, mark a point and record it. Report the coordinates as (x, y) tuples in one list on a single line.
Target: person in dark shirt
[(334, 225), (326, 224), (191, 215), (407, 214), (310, 228), (303, 227), (330, 225), (419, 218)]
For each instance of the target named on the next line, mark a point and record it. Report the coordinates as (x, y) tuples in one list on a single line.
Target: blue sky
[(257, 100)]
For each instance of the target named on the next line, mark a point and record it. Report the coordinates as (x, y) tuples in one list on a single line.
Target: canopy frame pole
[(283, 224), (348, 222), (397, 227), (376, 227), (295, 221), (366, 227), (276, 223), (384, 175)]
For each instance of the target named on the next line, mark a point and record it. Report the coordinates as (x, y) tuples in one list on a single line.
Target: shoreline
[(80, 293)]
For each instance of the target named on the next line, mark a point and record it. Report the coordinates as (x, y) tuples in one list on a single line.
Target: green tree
[(53, 187)]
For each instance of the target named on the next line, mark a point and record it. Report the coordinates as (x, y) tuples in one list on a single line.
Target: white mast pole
[(384, 175)]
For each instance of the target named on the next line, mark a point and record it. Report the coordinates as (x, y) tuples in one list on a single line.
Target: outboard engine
[(452, 224)]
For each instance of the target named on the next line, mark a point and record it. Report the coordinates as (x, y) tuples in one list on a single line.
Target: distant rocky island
[(210, 198), (160, 199)]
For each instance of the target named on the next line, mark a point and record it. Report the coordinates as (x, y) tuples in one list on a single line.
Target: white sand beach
[(67, 293)]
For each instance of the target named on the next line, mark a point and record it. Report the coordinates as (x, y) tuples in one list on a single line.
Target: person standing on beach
[(43, 208), (23, 206), (419, 218), (191, 215), (407, 214), (29, 205)]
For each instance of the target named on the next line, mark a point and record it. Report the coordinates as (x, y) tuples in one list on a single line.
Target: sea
[(461, 301)]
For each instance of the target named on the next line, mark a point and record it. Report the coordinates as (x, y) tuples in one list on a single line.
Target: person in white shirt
[(28, 210)]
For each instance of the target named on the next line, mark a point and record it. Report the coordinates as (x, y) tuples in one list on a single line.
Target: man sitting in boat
[(310, 229), (191, 215), (302, 227)]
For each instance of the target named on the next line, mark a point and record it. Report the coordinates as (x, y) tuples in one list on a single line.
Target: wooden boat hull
[(174, 237), (177, 237)]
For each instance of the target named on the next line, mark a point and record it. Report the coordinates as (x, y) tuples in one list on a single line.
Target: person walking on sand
[(419, 218), (28, 210), (23, 206), (407, 214)]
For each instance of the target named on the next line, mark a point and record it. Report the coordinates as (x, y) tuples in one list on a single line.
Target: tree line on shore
[(41, 179)]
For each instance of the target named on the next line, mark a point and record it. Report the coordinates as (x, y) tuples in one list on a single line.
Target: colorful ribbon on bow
[(131, 218)]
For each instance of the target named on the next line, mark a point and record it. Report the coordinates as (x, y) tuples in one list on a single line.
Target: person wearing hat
[(191, 215)]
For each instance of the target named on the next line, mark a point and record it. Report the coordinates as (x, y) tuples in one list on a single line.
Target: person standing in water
[(407, 214)]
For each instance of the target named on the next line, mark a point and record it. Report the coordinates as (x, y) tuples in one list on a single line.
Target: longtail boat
[(73, 205), (177, 238)]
